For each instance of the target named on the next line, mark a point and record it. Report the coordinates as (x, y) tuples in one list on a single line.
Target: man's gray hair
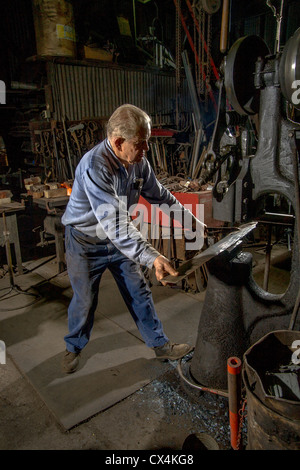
[(126, 121)]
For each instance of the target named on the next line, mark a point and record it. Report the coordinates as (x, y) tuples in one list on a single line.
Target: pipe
[(197, 386), (278, 17), (193, 93), (224, 27), (234, 366)]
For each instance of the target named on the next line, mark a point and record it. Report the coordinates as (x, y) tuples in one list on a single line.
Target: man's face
[(133, 150)]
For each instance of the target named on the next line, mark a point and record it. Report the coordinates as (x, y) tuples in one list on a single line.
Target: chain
[(208, 58), (243, 415), (203, 19), (178, 60), (178, 42), (196, 44), (208, 43), (203, 67), (200, 15)]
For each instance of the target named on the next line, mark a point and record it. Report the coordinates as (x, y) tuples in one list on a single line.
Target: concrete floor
[(158, 416)]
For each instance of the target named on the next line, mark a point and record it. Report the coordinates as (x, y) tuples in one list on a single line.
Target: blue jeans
[(87, 258)]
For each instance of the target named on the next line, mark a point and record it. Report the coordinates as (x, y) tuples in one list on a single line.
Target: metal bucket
[(273, 400)]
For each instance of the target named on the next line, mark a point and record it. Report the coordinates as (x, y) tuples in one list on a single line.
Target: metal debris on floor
[(205, 412)]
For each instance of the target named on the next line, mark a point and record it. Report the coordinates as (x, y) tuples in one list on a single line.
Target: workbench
[(8, 223), (55, 207), (51, 203)]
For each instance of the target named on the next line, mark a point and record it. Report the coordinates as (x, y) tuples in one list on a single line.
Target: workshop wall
[(109, 66), (138, 42), (96, 90)]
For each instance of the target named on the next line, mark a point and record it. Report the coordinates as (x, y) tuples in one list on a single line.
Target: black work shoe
[(70, 362), (172, 351)]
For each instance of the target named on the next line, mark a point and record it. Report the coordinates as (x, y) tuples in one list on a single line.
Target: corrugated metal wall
[(96, 91)]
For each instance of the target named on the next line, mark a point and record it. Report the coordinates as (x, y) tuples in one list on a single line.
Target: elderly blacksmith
[(97, 237)]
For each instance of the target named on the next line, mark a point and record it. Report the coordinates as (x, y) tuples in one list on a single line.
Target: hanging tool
[(73, 130), (58, 172), (91, 130), (68, 148)]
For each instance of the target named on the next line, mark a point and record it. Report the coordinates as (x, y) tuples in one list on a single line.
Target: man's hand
[(163, 268)]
